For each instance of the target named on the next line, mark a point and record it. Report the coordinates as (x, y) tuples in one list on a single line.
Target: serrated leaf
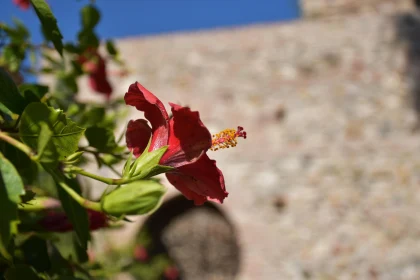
[(65, 133), (49, 24), (101, 138), (90, 17), (11, 188), (10, 97)]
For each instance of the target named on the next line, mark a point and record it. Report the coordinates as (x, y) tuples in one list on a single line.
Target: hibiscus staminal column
[(227, 138)]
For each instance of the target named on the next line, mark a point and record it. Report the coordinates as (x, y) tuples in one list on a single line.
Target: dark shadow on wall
[(199, 241), (408, 33)]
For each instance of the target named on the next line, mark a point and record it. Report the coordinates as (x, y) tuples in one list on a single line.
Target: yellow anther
[(227, 138)]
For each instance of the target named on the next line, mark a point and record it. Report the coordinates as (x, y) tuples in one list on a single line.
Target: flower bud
[(136, 198)]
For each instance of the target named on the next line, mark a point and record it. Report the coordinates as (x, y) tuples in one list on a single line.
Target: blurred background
[(326, 186)]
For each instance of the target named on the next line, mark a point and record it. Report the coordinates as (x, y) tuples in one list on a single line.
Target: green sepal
[(147, 164), (139, 197)]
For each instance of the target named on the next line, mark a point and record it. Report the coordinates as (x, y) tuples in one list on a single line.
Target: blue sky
[(127, 18), (123, 18)]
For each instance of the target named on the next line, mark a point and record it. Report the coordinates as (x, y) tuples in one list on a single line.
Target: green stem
[(109, 181), (79, 199), (12, 141), (88, 204)]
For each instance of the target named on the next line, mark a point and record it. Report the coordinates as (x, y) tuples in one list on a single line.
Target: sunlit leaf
[(65, 133), (49, 24), (90, 17)]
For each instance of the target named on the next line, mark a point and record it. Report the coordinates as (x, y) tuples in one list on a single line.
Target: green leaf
[(90, 17), (28, 169), (28, 196), (45, 135), (92, 116), (49, 24), (110, 47), (36, 253), (65, 133), (101, 138), (140, 197), (10, 97), (76, 213), (71, 48), (33, 92), (59, 265), (21, 271), (12, 180), (11, 188), (88, 39)]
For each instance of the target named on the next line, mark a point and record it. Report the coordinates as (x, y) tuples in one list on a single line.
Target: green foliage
[(45, 226), (11, 188), (21, 271), (49, 24), (90, 17), (101, 138), (33, 92), (110, 47), (10, 99), (76, 213), (49, 132)]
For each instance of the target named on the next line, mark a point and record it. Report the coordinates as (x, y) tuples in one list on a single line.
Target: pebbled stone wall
[(327, 184)]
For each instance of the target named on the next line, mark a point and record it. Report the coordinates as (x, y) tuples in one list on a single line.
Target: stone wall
[(326, 186), (322, 8)]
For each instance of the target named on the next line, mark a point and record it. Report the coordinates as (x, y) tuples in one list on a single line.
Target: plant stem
[(88, 204), (12, 141), (82, 201), (109, 181)]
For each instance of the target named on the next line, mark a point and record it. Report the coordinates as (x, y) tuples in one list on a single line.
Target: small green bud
[(140, 197)]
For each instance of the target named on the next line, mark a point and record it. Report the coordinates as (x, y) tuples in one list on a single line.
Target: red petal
[(188, 137), (56, 222), (97, 220), (98, 78), (199, 181), (137, 136), (154, 111)]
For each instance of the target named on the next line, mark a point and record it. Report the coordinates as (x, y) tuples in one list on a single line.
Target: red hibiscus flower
[(195, 175), (23, 4), (55, 221), (94, 64)]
